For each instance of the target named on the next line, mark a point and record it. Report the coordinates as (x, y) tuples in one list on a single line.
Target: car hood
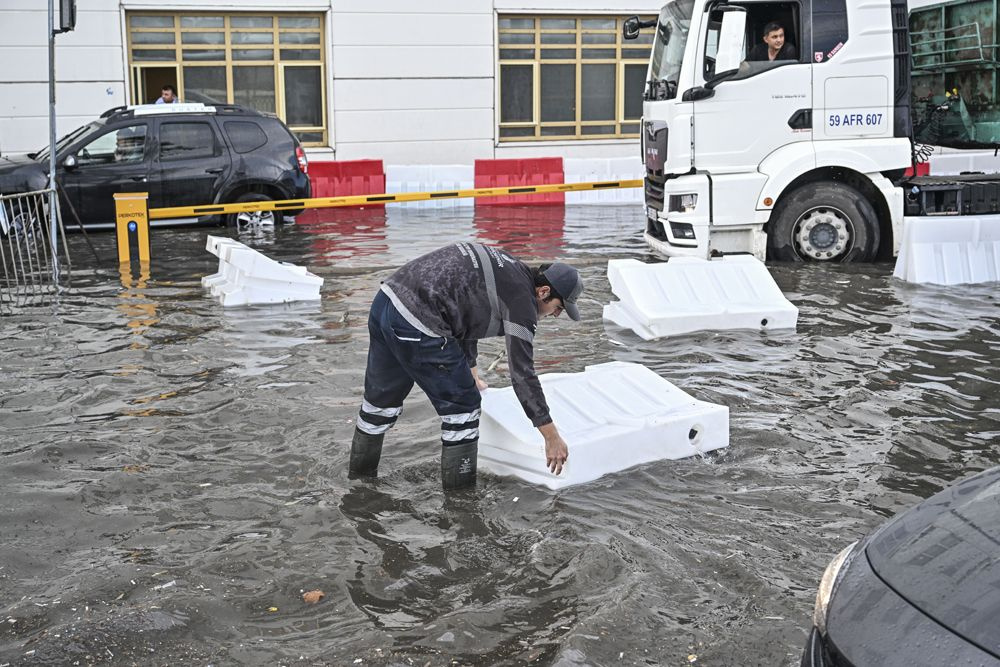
[(943, 556), (19, 173)]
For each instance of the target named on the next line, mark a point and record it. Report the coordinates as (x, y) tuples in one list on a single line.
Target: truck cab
[(791, 155)]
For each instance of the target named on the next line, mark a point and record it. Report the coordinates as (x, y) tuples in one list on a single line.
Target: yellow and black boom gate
[(133, 223)]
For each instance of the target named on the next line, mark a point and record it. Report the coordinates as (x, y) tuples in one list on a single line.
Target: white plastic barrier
[(947, 161), (945, 250), (612, 416), (586, 170), (246, 276), (689, 294), (430, 178)]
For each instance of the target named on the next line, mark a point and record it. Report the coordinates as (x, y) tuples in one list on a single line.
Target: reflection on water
[(174, 473)]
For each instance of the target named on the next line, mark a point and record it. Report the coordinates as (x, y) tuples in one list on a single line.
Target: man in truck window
[(773, 45), (424, 326)]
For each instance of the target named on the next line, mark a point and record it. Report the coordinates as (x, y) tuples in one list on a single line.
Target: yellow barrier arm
[(361, 200)]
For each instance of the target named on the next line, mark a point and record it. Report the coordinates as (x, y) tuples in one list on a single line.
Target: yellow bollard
[(132, 226)]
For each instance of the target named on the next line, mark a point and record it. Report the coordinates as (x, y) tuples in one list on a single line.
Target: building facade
[(443, 82)]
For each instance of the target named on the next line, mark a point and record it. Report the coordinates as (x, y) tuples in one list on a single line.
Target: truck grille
[(654, 149)]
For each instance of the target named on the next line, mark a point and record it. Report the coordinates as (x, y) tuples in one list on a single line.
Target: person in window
[(167, 95), (773, 46)]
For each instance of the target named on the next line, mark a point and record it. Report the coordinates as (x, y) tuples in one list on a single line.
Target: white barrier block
[(949, 250), (612, 416), (247, 277), (213, 244), (689, 294), (946, 161), (430, 178), (589, 170)]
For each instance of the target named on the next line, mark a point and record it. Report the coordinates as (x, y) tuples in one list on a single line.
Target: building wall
[(413, 83), (408, 83), (90, 73)]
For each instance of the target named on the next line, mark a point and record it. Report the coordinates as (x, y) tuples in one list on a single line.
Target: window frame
[(757, 68), (624, 128), (228, 47)]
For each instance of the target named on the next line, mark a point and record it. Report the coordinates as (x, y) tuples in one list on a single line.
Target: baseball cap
[(568, 285)]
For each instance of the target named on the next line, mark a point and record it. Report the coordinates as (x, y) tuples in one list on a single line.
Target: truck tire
[(823, 222), (257, 218)]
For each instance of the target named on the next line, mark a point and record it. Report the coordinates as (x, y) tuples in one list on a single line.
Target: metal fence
[(29, 275)]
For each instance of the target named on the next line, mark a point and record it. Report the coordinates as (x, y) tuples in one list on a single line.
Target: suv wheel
[(255, 218)]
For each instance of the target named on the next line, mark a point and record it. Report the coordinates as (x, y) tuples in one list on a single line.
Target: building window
[(270, 62), (570, 78)]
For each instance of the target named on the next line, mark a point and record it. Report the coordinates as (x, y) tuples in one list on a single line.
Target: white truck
[(802, 157)]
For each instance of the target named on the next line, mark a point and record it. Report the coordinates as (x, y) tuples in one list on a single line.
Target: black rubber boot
[(366, 450), (458, 465)]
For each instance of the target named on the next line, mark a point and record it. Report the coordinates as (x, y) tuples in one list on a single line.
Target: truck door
[(192, 163), (766, 103)]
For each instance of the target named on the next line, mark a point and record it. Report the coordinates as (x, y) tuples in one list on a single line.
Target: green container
[(954, 62)]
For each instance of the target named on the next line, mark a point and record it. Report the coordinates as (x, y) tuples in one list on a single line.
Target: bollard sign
[(132, 226)]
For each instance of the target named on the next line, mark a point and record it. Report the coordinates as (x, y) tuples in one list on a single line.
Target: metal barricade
[(28, 274)]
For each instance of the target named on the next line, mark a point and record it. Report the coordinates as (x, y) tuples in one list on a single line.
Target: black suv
[(181, 154)]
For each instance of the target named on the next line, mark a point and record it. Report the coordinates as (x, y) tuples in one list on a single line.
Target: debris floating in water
[(312, 597)]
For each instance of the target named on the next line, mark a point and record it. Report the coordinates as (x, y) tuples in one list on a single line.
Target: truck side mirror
[(630, 28), (731, 36), (632, 25)]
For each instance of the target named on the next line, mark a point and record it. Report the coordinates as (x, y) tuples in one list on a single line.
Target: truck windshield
[(668, 49)]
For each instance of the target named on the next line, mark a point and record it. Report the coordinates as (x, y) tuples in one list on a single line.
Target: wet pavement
[(174, 475)]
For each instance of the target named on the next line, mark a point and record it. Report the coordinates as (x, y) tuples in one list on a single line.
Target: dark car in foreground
[(924, 589), (181, 154)]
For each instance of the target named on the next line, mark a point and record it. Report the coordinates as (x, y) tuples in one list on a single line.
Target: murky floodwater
[(174, 475)]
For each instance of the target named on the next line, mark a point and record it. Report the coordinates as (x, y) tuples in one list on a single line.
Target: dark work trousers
[(398, 356)]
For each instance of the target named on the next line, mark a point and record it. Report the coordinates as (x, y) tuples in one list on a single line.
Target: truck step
[(966, 194)]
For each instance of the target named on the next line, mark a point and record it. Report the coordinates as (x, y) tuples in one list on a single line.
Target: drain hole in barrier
[(694, 435)]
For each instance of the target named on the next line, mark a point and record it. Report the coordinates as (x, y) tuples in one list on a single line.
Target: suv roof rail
[(178, 108), (234, 108), (112, 111)]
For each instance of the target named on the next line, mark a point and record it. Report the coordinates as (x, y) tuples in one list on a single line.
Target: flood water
[(173, 475)]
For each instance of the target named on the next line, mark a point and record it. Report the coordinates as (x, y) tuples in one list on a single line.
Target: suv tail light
[(300, 155)]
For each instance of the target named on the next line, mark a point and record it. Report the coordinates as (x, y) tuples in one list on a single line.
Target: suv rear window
[(183, 141), (246, 136)]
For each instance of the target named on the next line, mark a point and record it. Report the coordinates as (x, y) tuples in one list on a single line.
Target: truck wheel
[(256, 218), (824, 222)]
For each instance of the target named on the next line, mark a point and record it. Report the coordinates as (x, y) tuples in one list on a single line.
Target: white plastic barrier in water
[(247, 277), (948, 161), (612, 416), (587, 170), (430, 178), (688, 294), (944, 250)]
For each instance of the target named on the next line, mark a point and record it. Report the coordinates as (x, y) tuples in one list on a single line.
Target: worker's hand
[(556, 453), (480, 384)]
